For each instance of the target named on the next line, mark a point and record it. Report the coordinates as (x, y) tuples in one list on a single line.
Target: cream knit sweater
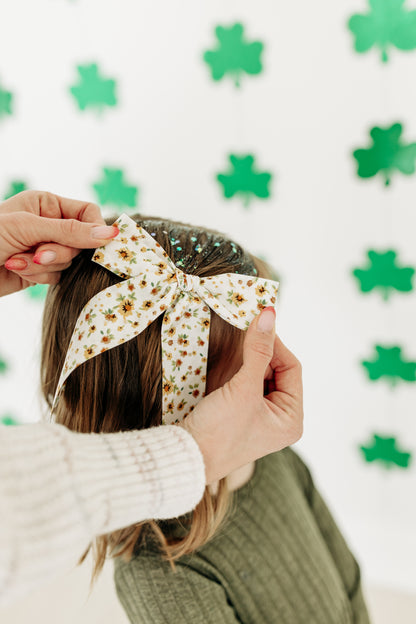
[(59, 489)]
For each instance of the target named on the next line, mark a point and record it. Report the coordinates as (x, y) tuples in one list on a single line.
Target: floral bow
[(153, 285)]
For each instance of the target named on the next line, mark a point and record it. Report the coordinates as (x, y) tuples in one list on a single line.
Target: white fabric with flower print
[(153, 285)]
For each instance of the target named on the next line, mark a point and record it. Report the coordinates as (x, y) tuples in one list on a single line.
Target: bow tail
[(112, 317), (185, 334)]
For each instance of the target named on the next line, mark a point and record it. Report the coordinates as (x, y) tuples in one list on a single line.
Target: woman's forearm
[(61, 489)]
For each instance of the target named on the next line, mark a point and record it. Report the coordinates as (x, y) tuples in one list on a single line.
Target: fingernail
[(267, 319), (105, 231), (15, 264), (44, 257)]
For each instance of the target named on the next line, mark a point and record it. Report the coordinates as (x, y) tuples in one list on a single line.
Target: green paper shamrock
[(387, 24), (234, 55), (244, 181), (9, 420), (93, 91), (5, 102), (389, 364), (385, 451), (114, 191), (37, 292), (16, 186), (4, 367), (386, 154), (383, 273)]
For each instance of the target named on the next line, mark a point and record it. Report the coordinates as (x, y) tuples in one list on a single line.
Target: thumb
[(258, 346), (72, 232)]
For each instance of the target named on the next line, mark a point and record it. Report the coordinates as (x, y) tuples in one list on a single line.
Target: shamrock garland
[(6, 103), (114, 191), (234, 56), (383, 273), (244, 180), (388, 153), (387, 24), (385, 451), (93, 91), (389, 364)]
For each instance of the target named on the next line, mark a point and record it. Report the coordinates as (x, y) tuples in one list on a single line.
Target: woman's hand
[(240, 422), (40, 234)]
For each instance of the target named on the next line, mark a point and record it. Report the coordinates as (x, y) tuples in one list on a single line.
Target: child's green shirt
[(280, 559)]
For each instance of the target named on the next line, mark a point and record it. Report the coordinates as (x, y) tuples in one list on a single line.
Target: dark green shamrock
[(385, 451), (387, 24), (37, 292), (390, 365), (93, 91), (8, 419), (4, 367), (387, 153), (114, 191), (16, 186), (5, 102), (243, 180), (383, 273), (234, 55)]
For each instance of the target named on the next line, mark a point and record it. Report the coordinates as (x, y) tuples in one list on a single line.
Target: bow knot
[(187, 283)]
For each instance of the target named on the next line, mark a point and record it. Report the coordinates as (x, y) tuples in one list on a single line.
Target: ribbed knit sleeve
[(59, 489)]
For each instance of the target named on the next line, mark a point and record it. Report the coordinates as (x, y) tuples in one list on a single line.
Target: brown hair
[(120, 389)]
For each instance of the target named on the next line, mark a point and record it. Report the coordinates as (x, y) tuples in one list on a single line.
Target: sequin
[(198, 248)]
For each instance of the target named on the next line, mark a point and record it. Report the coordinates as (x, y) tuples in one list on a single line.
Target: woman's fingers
[(21, 232), (286, 369), (48, 257), (43, 266), (44, 204), (11, 282), (40, 234), (51, 278), (258, 348)]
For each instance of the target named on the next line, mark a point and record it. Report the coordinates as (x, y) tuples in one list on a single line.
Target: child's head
[(121, 388)]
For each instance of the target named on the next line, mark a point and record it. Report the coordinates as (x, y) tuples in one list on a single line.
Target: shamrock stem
[(393, 382), (246, 200), (384, 56)]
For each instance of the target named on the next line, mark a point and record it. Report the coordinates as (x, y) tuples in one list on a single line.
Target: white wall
[(171, 132)]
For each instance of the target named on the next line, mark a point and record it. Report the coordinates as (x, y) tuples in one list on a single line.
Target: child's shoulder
[(285, 462)]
